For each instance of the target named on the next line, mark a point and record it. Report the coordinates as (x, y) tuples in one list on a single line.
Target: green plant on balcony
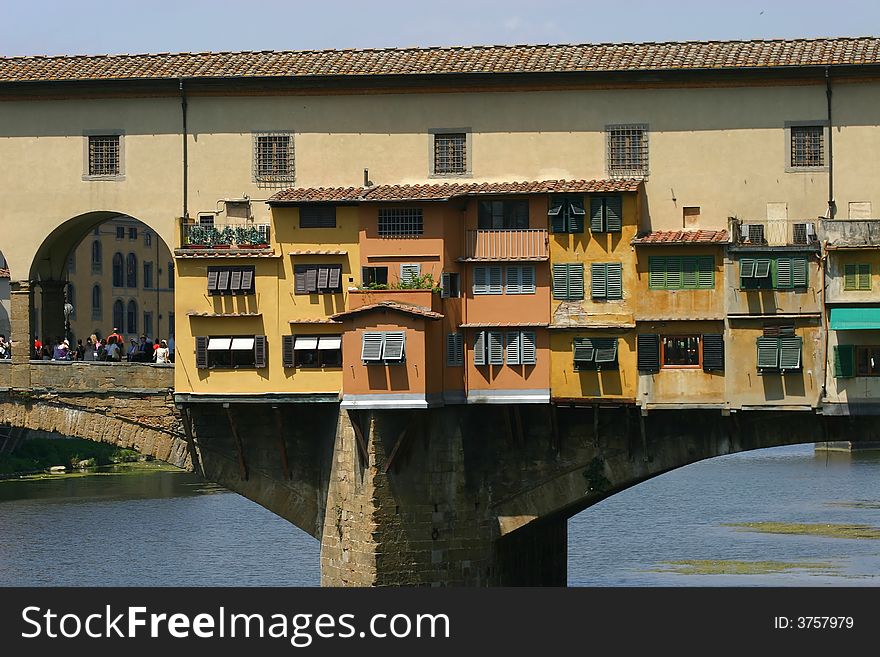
[(423, 282), (224, 237), (249, 236), (200, 235)]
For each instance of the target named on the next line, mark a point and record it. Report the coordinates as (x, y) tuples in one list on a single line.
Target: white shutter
[(371, 346), (513, 347), (395, 343), (480, 348), (529, 352)]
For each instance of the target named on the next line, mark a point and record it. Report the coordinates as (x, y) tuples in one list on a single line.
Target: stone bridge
[(461, 495)]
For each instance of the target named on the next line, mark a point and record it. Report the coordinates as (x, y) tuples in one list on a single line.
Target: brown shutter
[(335, 277), (202, 352), (299, 278), (260, 351), (323, 277), (286, 350), (312, 279)]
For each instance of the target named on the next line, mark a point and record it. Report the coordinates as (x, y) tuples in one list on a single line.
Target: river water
[(159, 527)]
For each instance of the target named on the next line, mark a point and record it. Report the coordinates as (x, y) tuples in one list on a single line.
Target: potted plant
[(222, 239)]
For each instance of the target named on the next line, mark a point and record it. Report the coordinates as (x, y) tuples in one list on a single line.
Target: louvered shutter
[(495, 347), (527, 273), (287, 350), (584, 350), (706, 273), (300, 284), (557, 216), (606, 350), (312, 280), (235, 281), (648, 357), (613, 214), (323, 278), (528, 348), (560, 281), (514, 280), (459, 348), (656, 273), (444, 285), (247, 280), (713, 352), (673, 273), (481, 285), (746, 270), (371, 346), (850, 277), (598, 280), (202, 352), (480, 348), (864, 277), (212, 279), (513, 348), (768, 353), (576, 281), (614, 280), (844, 361), (596, 223), (576, 214), (799, 272), (223, 281), (790, 353), (689, 273), (454, 349), (410, 272), (783, 273), (261, 349), (335, 278), (495, 280), (395, 346)]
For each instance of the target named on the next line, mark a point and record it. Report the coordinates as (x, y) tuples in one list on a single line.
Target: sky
[(58, 27)]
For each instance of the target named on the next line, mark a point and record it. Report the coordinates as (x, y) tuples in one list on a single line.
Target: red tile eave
[(682, 238), (417, 311)]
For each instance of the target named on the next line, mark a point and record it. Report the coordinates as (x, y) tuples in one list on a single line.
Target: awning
[(848, 319), (242, 344), (330, 342), (305, 342), (218, 344)]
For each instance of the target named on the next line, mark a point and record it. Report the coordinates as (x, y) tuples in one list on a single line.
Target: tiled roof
[(224, 253), (682, 237), (411, 309), (565, 58), (503, 324), (445, 191), (198, 314), (314, 320), (306, 252)]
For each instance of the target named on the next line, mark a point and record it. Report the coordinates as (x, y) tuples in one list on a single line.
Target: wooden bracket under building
[(282, 444), (190, 441), (354, 418), (414, 417), (242, 464)]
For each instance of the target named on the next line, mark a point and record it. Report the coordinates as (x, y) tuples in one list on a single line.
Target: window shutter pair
[(488, 280), (454, 349), (783, 353), (606, 280), (314, 279), (595, 350), (489, 348), (567, 215), (521, 348), (287, 350), (606, 214), (857, 276), (568, 281), (520, 280), (844, 361), (379, 346)]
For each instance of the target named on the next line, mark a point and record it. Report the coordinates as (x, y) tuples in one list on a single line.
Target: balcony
[(215, 237), (749, 233), (506, 244)]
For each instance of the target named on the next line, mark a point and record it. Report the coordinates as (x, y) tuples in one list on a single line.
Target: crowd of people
[(109, 349)]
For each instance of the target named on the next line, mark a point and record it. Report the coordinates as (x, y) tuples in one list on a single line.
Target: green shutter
[(713, 352), (560, 281), (656, 273), (844, 361), (706, 273), (864, 277), (790, 353), (614, 280), (783, 274), (768, 353), (557, 216), (613, 214), (689, 273), (648, 352), (576, 281), (799, 274), (762, 267), (673, 273), (596, 223), (606, 350), (576, 215), (746, 270), (598, 280), (850, 277), (584, 350)]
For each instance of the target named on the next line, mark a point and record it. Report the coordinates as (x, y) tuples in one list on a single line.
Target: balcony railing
[(503, 244), (224, 236), (774, 232)]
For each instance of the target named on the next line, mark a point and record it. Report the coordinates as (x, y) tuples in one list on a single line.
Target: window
[(502, 214), (231, 352), (131, 271), (273, 157), (567, 214), (520, 280), (148, 324), (487, 280), (132, 232), (317, 216), (807, 146), (148, 275), (104, 155), (132, 317), (595, 354), (383, 347), (230, 280), (606, 280), (118, 314), (454, 349), (97, 257), (71, 263), (856, 360), (311, 350), (148, 238), (400, 222), (450, 153), (681, 272), (97, 310), (868, 361), (773, 273), (681, 351), (120, 232), (374, 276), (857, 276), (779, 349), (118, 272), (170, 325), (627, 150), (450, 285), (170, 275), (493, 347), (568, 281), (409, 274), (206, 220), (317, 279), (606, 214)]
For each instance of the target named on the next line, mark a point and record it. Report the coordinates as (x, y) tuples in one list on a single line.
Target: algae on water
[(734, 567), (825, 530)]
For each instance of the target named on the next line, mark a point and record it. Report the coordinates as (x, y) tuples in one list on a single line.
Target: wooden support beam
[(282, 444), (242, 464), (190, 441), (646, 456), (595, 425), (413, 419), (627, 428), (361, 441)]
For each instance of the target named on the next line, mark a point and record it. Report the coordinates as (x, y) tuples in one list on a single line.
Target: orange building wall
[(507, 377)]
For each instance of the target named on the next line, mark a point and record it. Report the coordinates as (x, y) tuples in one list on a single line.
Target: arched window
[(131, 271), (97, 257), (118, 312), (132, 323), (71, 299), (96, 302), (117, 270)]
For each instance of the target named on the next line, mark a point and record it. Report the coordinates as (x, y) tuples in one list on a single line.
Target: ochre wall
[(567, 383), (678, 304)]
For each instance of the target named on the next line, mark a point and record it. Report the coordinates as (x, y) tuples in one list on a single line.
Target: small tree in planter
[(200, 236), (249, 237), (223, 238)]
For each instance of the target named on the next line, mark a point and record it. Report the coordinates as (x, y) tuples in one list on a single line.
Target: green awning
[(848, 319)]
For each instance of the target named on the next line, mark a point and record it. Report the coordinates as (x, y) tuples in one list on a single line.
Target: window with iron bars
[(400, 222), (273, 157), (104, 155), (450, 153), (627, 150), (808, 146)]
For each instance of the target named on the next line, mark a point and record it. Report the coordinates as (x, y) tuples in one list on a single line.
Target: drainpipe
[(831, 209), (823, 262), (185, 154)]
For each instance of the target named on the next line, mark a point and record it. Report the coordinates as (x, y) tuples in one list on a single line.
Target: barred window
[(273, 157), (400, 222), (450, 153), (807, 146), (104, 155), (628, 150)]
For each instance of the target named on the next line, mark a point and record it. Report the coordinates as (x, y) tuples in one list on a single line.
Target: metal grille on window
[(628, 150), (273, 157), (450, 153), (104, 155), (807, 145), (400, 222)]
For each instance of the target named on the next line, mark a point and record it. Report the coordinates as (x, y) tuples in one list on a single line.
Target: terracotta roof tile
[(445, 191), (411, 309), (205, 314), (315, 320), (682, 237), (562, 58)]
